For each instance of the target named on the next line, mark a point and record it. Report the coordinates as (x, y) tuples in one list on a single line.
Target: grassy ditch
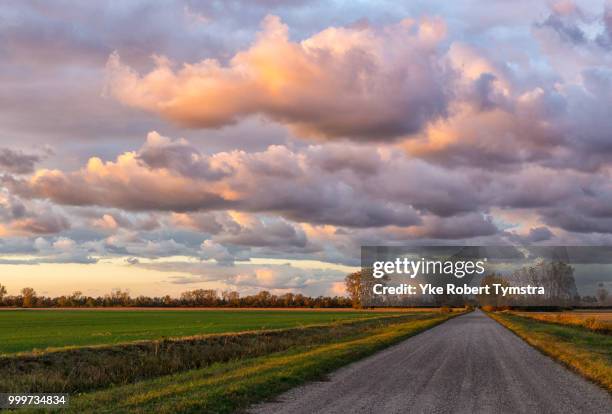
[(87, 368), (232, 386), (588, 353)]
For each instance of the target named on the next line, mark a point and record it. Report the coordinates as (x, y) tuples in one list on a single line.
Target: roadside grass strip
[(587, 352)]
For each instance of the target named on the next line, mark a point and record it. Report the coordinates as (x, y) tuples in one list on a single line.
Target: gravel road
[(469, 364)]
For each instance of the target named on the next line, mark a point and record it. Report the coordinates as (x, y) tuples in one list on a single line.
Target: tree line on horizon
[(28, 298), (354, 286)]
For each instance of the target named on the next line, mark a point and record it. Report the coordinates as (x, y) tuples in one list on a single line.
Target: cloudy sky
[(165, 146)]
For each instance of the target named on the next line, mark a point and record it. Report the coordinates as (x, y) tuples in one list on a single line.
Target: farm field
[(596, 320), (581, 314), (29, 330), (242, 370)]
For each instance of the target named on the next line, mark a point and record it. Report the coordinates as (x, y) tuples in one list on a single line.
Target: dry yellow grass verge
[(595, 321), (586, 352)]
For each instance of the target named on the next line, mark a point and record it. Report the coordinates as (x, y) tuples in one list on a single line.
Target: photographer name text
[(451, 289)]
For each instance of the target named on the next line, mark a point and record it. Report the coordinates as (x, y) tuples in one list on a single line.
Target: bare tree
[(353, 288), (602, 293), (29, 297)]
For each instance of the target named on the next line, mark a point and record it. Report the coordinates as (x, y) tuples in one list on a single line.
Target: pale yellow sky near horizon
[(98, 279)]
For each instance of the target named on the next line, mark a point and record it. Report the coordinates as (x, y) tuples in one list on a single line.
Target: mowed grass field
[(35, 330)]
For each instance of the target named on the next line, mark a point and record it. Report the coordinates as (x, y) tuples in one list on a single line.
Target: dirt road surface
[(470, 364)]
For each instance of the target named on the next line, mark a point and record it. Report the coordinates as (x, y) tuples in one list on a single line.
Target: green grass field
[(232, 385), (27, 330)]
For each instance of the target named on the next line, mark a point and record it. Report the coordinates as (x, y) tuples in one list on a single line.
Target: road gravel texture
[(469, 364)]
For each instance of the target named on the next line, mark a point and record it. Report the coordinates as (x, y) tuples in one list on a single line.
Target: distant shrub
[(445, 309), (489, 308)]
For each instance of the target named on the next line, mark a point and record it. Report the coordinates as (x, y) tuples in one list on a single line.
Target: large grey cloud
[(276, 180), (318, 184)]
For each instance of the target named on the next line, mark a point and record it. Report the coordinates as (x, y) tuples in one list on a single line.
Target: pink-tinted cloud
[(358, 82), (277, 181)]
